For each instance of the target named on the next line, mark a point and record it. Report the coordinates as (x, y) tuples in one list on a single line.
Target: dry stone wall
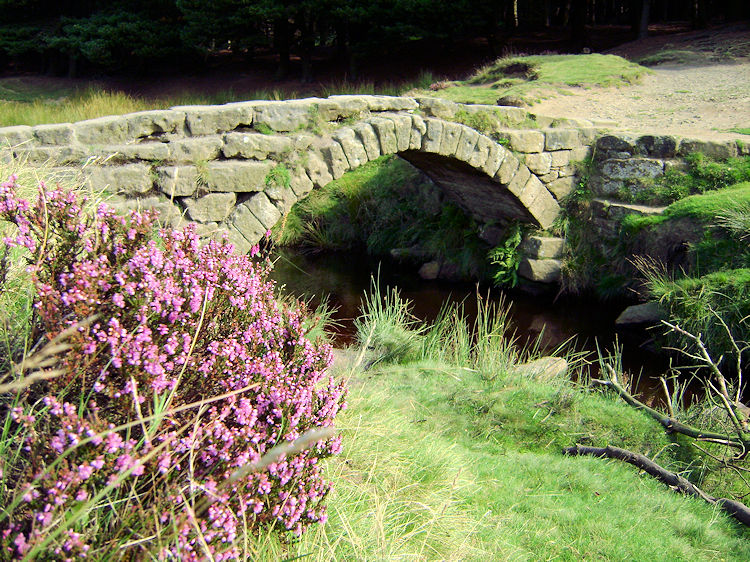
[(239, 167)]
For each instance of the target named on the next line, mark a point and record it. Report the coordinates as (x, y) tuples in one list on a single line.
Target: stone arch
[(478, 174)]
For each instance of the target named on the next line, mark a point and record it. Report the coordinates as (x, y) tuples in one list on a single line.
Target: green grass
[(740, 130), (446, 461), (545, 74)]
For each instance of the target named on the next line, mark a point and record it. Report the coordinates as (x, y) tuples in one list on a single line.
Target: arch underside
[(479, 195)]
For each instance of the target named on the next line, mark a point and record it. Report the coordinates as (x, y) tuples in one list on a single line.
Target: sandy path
[(702, 101)]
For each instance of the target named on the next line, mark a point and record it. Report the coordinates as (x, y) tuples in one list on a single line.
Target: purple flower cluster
[(162, 323)]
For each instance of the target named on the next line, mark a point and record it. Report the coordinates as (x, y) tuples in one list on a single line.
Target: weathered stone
[(369, 139), (334, 156), (353, 149), (530, 191), (241, 244), (317, 170), (141, 151), (507, 169), (350, 106), (517, 184), (544, 209), (714, 149), (562, 187), (212, 119), (646, 313), (661, 146), (194, 150), (402, 126), (632, 168), (265, 211), (618, 143), (211, 207), (451, 136), (281, 117), (512, 115), (495, 158), (208, 230), (552, 176), (53, 155), (388, 103), (150, 123), (436, 107), (587, 135), (57, 134), (18, 135), (481, 152), (492, 234), (177, 181), (236, 176), (541, 271), (169, 215), (103, 130), (542, 247), (580, 154), (562, 139), (386, 131), (128, 179), (282, 197), (466, 144), (247, 224), (418, 129), (560, 158), (565, 171), (430, 270), (539, 163), (256, 146), (300, 182), (525, 141), (544, 369), (433, 137), (512, 100)]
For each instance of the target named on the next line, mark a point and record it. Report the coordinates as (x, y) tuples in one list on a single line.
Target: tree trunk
[(578, 35), (281, 43), (645, 16), (700, 14)]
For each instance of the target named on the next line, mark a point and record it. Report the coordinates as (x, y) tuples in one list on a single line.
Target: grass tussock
[(534, 77)]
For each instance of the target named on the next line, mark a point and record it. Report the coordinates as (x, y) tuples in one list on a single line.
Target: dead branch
[(678, 483)]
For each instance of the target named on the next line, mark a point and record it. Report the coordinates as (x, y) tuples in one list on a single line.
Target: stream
[(343, 279)]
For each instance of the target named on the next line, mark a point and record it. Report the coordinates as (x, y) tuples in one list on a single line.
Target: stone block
[(531, 191), (562, 139), (247, 224), (433, 137), (542, 247), (560, 158), (562, 187), (53, 155), (451, 136), (544, 209), (177, 181), (580, 154), (256, 146), (237, 176), (466, 144), (507, 169), (481, 152), (282, 197), (518, 183), (169, 214), (149, 151), (436, 107), (495, 158), (241, 244), (541, 271), (525, 141), (211, 207), (334, 156), (715, 149), (539, 162), (657, 146), (386, 131), (128, 179), (317, 170), (265, 211), (212, 119), (350, 106), (353, 149), (387, 103), (57, 134), (547, 178), (430, 270), (649, 313), (200, 149), (18, 135), (103, 130), (418, 129), (369, 139), (291, 115), (300, 182), (617, 143), (402, 124), (632, 168), (150, 123)]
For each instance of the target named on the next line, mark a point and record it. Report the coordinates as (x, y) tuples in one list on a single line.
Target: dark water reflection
[(344, 278)]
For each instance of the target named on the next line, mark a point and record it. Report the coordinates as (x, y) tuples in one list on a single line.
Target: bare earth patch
[(705, 96)]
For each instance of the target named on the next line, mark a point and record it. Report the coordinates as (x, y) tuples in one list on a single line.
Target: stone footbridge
[(240, 167)]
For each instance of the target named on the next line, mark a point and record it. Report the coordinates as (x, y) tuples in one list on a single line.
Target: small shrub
[(505, 258), (182, 369)]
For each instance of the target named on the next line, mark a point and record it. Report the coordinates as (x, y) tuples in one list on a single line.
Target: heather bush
[(179, 370)]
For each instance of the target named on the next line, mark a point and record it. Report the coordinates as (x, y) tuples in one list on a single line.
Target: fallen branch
[(734, 508), (669, 423)]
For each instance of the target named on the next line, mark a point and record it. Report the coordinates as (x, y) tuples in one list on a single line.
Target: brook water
[(343, 279)]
